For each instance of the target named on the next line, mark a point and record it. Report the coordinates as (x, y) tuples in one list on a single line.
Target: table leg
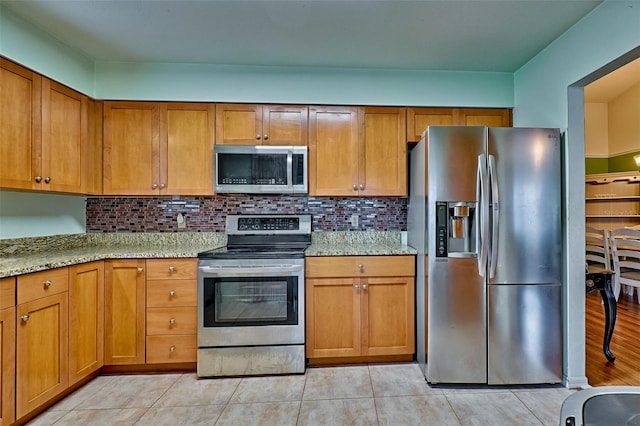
[(610, 310)]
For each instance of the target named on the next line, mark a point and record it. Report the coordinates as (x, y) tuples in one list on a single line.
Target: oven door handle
[(244, 271)]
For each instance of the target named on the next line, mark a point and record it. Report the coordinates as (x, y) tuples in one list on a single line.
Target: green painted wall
[(623, 163), (596, 165)]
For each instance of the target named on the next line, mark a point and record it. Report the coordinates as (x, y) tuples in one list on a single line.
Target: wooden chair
[(625, 246), (598, 254)]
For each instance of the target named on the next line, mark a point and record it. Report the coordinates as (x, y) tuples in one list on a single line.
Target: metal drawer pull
[(24, 318), (172, 293), (172, 349), (265, 137), (47, 179), (355, 187), (47, 283), (140, 269), (361, 266), (357, 286), (364, 286), (172, 321), (38, 179), (172, 269)]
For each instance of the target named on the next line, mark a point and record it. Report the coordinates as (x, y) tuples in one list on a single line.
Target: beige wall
[(624, 122), (596, 130)]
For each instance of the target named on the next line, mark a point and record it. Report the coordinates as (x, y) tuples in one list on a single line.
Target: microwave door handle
[(290, 170), (261, 271)]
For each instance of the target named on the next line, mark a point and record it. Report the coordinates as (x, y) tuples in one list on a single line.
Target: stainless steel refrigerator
[(485, 209)]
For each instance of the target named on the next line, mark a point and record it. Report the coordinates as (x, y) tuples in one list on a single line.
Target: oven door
[(250, 302)]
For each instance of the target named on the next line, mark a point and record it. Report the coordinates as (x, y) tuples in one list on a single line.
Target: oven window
[(250, 301)]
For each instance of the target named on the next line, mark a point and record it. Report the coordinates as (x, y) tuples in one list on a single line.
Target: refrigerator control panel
[(441, 229)]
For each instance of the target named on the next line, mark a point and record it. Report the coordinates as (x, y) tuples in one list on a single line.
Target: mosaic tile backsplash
[(208, 214)]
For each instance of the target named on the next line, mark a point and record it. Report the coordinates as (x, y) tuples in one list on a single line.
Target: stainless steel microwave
[(260, 169)]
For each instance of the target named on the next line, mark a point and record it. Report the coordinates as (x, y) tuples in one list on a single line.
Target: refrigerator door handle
[(495, 198), (482, 215)]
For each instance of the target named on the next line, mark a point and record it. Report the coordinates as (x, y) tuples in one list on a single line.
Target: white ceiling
[(469, 35)]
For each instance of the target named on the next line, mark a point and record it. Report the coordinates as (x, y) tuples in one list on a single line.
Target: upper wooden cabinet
[(20, 99), (490, 117), (250, 124), (153, 148), (418, 119), (44, 132), (64, 138), (357, 151)]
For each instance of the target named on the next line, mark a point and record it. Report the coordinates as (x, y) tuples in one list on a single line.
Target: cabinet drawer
[(42, 284), (7, 292), (163, 349), (168, 293), (180, 269), (355, 266), (172, 320)]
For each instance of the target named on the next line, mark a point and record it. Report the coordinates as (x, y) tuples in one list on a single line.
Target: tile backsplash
[(208, 214)]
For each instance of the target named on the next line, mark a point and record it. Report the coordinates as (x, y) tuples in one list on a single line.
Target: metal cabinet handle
[(258, 136), (47, 283), (355, 187), (357, 286), (24, 318), (47, 179), (172, 349), (172, 269), (364, 286), (361, 267), (154, 186), (38, 179), (265, 137), (172, 293), (162, 185), (140, 269), (362, 186), (172, 321)]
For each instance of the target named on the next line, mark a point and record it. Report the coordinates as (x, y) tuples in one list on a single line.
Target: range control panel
[(268, 223)]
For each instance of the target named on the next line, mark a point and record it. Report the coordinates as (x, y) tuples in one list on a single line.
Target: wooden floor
[(625, 344)]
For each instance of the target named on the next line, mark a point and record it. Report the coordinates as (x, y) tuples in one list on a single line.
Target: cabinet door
[(333, 317), (42, 367), (489, 117), (284, 125), (94, 147), (131, 148), (64, 138), (86, 319), (20, 134), (124, 312), (333, 151), (388, 315), (8, 368), (239, 124), (418, 119), (186, 149), (383, 155)]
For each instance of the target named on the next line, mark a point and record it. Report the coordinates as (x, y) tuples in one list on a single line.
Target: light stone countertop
[(22, 256)]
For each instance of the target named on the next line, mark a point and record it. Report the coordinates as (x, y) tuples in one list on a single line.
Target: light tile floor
[(391, 394)]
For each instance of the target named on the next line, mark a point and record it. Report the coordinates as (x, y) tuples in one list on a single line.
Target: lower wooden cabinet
[(359, 306), (86, 320), (8, 350), (171, 310), (41, 339), (124, 315)]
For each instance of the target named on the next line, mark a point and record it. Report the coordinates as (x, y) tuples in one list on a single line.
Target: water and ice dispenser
[(455, 229)]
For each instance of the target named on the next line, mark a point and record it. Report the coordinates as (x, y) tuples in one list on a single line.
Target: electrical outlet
[(355, 220), (182, 221)]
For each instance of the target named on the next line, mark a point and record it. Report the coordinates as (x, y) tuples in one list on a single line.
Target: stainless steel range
[(251, 298)]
